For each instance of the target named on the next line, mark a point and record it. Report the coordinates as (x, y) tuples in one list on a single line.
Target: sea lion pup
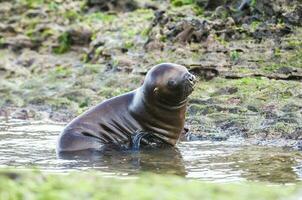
[(157, 107)]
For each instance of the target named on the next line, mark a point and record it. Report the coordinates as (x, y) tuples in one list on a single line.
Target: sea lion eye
[(171, 83)]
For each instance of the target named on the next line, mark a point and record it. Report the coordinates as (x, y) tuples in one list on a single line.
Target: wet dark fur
[(155, 109)]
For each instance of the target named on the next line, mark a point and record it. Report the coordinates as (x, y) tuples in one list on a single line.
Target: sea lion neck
[(163, 120), (150, 100)]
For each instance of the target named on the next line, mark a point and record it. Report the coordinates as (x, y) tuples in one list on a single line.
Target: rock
[(211, 137), (7, 28), (245, 4), (124, 64), (252, 108), (19, 42), (27, 58), (195, 109), (36, 13), (294, 17), (299, 145), (212, 45), (206, 101), (289, 118), (5, 7), (112, 5), (23, 114), (221, 12), (291, 107), (154, 44), (213, 4), (80, 35), (270, 30), (4, 113), (285, 70), (192, 30), (296, 135), (234, 101), (226, 91), (233, 127), (61, 116)]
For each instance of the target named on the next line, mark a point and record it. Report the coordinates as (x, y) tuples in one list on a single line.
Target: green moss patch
[(95, 186)]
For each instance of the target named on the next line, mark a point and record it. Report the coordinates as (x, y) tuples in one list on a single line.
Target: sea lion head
[(169, 84)]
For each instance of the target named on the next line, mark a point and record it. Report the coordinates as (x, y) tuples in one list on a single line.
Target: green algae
[(64, 43), (179, 3), (148, 186)]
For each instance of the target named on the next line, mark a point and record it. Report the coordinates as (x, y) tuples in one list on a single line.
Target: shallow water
[(26, 144)]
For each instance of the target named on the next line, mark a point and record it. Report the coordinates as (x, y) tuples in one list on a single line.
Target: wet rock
[(285, 70), (226, 91), (252, 108), (190, 30), (221, 12), (80, 35), (5, 7), (7, 28), (210, 137), (23, 114), (112, 5), (268, 30), (244, 4), (234, 101), (291, 107), (212, 45), (206, 101), (61, 116), (213, 4), (290, 118), (27, 58), (4, 113), (212, 109), (299, 145), (154, 44), (195, 109), (296, 135), (294, 17), (217, 60), (233, 127), (36, 13), (19, 42), (121, 64), (204, 71)]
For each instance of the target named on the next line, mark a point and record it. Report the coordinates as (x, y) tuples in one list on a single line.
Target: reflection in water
[(148, 160), (24, 144), (264, 164)]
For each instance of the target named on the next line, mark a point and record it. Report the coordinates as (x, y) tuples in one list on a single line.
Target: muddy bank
[(59, 58)]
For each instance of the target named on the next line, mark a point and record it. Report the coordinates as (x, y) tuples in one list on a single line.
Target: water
[(25, 144)]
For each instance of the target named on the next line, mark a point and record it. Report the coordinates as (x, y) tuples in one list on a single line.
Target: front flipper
[(145, 139)]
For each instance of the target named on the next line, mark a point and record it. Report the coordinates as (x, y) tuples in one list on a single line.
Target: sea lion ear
[(155, 91)]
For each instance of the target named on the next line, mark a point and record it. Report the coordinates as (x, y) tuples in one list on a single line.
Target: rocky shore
[(58, 58)]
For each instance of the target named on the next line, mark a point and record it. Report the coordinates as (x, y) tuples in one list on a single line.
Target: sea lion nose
[(191, 78)]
